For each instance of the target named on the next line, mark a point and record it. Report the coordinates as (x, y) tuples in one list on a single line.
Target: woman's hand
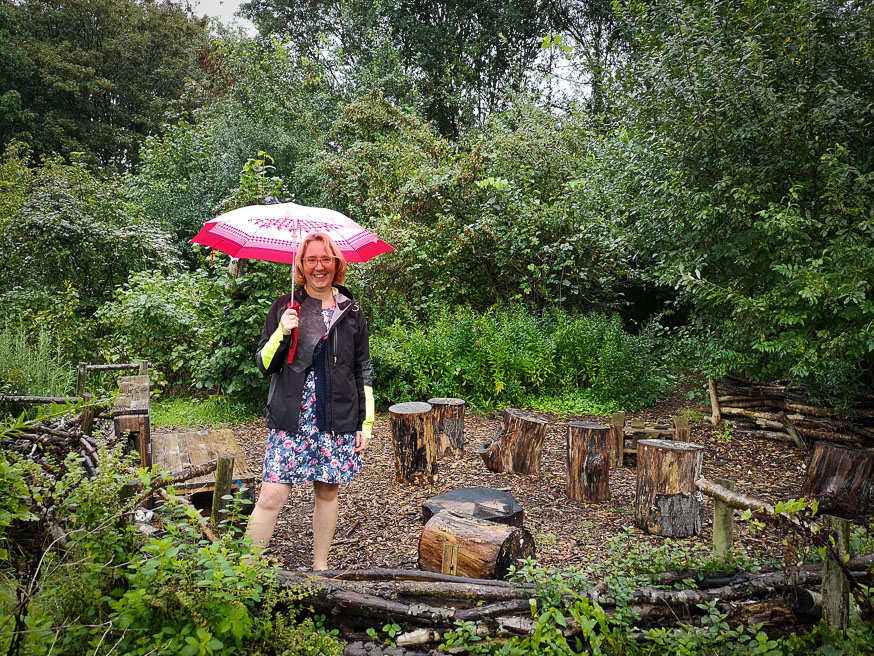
[(288, 321), (361, 441)]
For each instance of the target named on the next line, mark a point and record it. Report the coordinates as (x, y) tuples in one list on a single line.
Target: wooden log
[(715, 414), (836, 586), (616, 440), (682, 432), (415, 442), (723, 523), (485, 549), (667, 502), (480, 502), (449, 420), (518, 445), (841, 479), (224, 474), (81, 378), (588, 464)]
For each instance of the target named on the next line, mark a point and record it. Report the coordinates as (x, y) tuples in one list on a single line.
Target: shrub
[(31, 367)]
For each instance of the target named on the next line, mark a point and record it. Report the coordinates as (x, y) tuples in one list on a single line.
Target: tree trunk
[(518, 445), (588, 465), (841, 478), (449, 419), (479, 502), (667, 502), (415, 443), (485, 549)]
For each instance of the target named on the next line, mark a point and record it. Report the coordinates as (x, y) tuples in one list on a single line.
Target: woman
[(320, 407)]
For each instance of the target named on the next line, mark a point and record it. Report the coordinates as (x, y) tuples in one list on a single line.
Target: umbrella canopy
[(274, 233)]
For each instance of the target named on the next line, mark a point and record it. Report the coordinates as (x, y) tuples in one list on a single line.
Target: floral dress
[(310, 455)]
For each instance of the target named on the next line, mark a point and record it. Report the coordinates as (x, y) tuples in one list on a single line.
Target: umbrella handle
[(293, 347)]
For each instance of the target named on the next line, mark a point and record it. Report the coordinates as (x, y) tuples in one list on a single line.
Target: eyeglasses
[(324, 261)]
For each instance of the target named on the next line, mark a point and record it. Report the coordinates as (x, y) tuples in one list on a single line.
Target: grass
[(213, 412)]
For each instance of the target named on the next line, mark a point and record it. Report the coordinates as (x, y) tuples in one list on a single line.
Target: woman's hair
[(330, 247)]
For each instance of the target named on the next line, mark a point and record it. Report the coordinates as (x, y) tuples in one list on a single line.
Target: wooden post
[(81, 378), (723, 523), (588, 465), (681, 428), (449, 418), (415, 444), (616, 441), (518, 445), (841, 478), (835, 586), (715, 413), (144, 368), (224, 476), (485, 550), (88, 414), (667, 501)]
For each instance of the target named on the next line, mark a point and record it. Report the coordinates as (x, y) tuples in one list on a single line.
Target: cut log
[(616, 441), (486, 550), (715, 414), (518, 445), (449, 420), (667, 502), (841, 478), (479, 502), (588, 465), (415, 443)]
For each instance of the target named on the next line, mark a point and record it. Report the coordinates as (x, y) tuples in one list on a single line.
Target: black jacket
[(347, 363)]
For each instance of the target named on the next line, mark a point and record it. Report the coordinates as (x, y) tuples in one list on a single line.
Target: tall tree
[(94, 76)]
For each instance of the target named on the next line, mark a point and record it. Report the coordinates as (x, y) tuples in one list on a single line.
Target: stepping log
[(449, 417), (518, 445), (841, 478), (588, 464), (616, 440), (667, 502), (474, 547), (478, 502), (415, 442)]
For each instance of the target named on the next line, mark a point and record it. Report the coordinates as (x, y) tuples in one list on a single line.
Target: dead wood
[(202, 523)]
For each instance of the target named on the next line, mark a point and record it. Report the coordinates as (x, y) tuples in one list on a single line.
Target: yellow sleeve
[(268, 351), (369, 412)]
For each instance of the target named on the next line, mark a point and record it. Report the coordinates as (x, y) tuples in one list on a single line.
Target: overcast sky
[(223, 10)]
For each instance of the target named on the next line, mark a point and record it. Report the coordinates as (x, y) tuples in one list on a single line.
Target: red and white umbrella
[(274, 233)]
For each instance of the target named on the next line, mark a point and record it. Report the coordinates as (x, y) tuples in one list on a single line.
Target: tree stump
[(616, 440), (415, 444), (449, 418), (588, 464), (485, 550), (667, 502), (478, 502), (841, 478), (518, 445)]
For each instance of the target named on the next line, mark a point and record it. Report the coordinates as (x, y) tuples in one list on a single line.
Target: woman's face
[(319, 267)]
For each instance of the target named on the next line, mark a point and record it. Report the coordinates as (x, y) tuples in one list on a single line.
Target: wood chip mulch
[(381, 520)]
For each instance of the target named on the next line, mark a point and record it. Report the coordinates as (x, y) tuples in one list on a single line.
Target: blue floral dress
[(310, 455)]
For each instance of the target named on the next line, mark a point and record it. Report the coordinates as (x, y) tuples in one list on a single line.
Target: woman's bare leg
[(324, 522), (263, 520)]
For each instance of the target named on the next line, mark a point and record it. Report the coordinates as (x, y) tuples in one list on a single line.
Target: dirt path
[(380, 520)]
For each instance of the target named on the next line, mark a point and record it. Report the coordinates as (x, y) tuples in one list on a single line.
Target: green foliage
[(106, 591), (739, 157), (93, 79), (511, 357), (170, 319), (33, 369), (213, 411)]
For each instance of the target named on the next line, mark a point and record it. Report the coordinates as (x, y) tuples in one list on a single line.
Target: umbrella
[(275, 232)]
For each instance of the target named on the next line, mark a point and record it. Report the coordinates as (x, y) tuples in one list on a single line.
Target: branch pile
[(432, 603), (57, 437), (783, 413)]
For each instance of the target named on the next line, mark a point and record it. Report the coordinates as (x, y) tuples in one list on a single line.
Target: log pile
[(778, 411), (57, 437), (428, 604)]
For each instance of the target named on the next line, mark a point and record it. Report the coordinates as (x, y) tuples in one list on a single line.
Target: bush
[(512, 357), (33, 368)]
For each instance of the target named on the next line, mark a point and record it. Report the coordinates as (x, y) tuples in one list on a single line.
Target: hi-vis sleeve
[(265, 356), (369, 412)]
